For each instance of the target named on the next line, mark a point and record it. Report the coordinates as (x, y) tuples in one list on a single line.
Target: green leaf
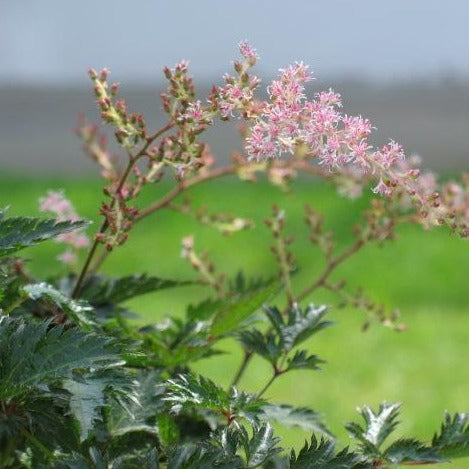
[(289, 416), (97, 458), (453, 439), (77, 310), (266, 346), (240, 308), (205, 456), (86, 402), (12, 278), (301, 361), (32, 355), (378, 426), (43, 413), (322, 455), (262, 446), (174, 342), (298, 325), (20, 232), (411, 451), (139, 413), (168, 432), (205, 310), (100, 290), (190, 392)]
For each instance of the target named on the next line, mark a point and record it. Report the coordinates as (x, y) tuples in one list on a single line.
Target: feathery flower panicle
[(247, 51)]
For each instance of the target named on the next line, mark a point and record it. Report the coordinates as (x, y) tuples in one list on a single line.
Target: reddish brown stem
[(181, 187), (168, 198), (132, 160)]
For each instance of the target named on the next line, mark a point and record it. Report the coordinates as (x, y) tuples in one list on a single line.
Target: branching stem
[(274, 376), (242, 368), (130, 164), (330, 267)]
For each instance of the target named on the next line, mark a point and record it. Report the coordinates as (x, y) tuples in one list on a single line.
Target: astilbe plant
[(84, 386)]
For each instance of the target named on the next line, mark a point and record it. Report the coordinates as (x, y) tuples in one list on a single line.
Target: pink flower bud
[(103, 74), (92, 73)]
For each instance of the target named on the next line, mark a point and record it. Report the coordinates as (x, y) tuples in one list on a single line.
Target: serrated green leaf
[(17, 233), (378, 426), (191, 392), (100, 290), (411, 451), (97, 458), (202, 456), (174, 342), (139, 413), (289, 416), (239, 309), (322, 455), (298, 325), (262, 446), (32, 355), (265, 345), (168, 431), (453, 439), (87, 399), (77, 310), (302, 361)]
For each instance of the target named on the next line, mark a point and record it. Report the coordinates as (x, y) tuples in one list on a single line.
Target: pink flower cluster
[(233, 97), (57, 204), (237, 94), (289, 119), (247, 51)]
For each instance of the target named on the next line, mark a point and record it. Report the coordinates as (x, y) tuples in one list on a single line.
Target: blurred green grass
[(424, 274)]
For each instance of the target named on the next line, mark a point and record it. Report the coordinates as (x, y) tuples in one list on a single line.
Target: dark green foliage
[(32, 354), (453, 439), (298, 325), (175, 343), (97, 459), (302, 360), (190, 392), (78, 311), (83, 387), (228, 448), (289, 416), (139, 412), (323, 455), (102, 291), (232, 314), (285, 333), (411, 451), (377, 429), (378, 426), (17, 233)]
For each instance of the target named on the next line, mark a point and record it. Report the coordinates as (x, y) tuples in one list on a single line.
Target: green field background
[(425, 274)]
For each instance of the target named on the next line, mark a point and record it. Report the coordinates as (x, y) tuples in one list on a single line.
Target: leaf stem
[(242, 368), (275, 375)]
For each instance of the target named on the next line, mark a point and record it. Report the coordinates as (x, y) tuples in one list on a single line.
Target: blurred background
[(402, 64)]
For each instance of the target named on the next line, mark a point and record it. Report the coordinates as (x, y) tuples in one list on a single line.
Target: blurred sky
[(56, 41)]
